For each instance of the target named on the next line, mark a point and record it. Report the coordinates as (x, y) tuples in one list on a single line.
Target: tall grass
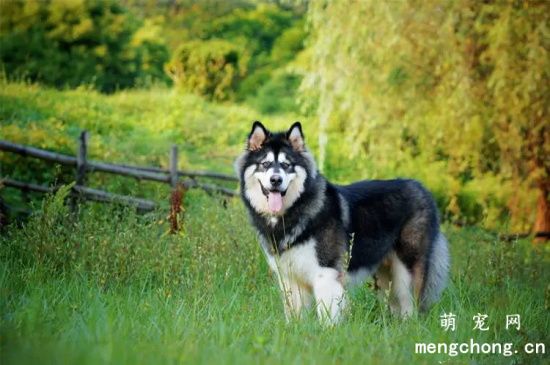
[(109, 286)]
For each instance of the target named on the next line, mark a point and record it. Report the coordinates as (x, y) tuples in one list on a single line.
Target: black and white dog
[(307, 226)]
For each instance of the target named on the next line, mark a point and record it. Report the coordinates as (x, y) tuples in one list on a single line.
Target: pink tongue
[(275, 202)]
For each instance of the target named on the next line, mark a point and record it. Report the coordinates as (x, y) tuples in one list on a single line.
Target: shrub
[(273, 36), (290, 42), (278, 94), (212, 68)]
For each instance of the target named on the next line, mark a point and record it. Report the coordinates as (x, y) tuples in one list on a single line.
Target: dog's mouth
[(274, 199)]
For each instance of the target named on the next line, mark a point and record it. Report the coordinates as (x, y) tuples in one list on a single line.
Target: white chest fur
[(300, 263), (301, 277)]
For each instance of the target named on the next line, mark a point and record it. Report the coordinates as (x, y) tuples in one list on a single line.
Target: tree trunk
[(542, 221)]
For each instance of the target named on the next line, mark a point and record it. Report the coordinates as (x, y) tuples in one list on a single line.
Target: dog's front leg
[(329, 295), (295, 297)]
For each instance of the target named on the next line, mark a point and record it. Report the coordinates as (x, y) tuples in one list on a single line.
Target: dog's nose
[(276, 180)]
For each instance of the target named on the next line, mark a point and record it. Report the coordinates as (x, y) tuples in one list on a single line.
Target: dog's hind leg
[(329, 295), (382, 277), (401, 296), (356, 278)]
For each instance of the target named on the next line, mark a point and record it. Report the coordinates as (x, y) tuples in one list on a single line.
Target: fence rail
[(142, 205), (138, 172), (83, 166)]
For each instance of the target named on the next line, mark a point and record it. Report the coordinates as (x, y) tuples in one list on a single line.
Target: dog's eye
[(284, 165), (266, 164)]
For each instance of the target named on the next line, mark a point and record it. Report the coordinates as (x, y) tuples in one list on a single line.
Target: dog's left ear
[(296, 137)]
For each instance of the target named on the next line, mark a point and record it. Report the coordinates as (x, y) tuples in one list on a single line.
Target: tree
[(71, 43), (516, 51), (460, 83)]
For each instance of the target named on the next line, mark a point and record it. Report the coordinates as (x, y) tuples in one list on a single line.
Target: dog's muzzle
[(274, 198)]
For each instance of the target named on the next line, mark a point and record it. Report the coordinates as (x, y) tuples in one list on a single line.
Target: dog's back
[(397, 220)]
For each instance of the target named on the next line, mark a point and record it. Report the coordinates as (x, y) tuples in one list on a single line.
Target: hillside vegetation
[(139, 126), (454, 94)]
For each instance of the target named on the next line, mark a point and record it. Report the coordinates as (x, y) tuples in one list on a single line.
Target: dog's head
[(274, 169)]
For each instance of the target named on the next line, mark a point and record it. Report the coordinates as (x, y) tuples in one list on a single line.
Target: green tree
[(251, 43), (67, 43), (515, 49), (459, 83)]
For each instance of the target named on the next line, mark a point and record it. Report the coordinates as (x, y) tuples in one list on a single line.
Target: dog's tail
[(437, 272)]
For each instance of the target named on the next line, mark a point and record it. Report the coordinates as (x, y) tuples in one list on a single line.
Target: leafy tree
[(277, 94), (257, 28), (69, 43), (263, 38), (289, 43), (459, 84), (515, 49)]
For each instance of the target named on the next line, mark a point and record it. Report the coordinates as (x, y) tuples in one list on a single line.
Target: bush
[(287, 46), (265, 38), (258, 28), (212, 68), (277, 95), (71, 43)]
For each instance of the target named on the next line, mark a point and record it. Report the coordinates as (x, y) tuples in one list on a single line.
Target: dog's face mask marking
[(275, 173), (274, 181)]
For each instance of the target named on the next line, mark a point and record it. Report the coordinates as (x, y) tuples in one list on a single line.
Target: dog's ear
[(296, 137), (257, 136)]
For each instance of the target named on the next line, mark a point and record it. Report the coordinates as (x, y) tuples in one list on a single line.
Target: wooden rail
[(142, 205), (139, 172), (83, 165)]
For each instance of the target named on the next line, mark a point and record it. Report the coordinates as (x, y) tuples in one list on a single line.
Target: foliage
[(275, 90), (185, 20), (257, 28), (460, 87), (289, 43), (258, 40), (211, 68), (217, 49), (129, 127), (139, 126), (84, 42), (277, 94)]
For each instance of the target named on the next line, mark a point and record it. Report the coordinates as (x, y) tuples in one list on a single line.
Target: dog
[(319, 238)]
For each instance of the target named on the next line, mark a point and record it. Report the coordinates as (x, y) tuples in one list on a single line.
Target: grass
[(113, 287), (110, 286)]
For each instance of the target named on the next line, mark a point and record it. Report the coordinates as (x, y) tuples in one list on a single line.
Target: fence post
[(178, 191), (174, 166), (81, 158)]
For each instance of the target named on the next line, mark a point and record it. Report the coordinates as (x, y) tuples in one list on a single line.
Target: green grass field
[(110, 286)]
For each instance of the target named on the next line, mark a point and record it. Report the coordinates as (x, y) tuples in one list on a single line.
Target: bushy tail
[(437, 272)]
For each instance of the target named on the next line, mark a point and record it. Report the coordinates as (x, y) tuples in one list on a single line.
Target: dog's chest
[(299, 262)]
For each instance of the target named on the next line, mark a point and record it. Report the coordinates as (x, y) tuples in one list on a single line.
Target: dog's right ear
[(257, 136)]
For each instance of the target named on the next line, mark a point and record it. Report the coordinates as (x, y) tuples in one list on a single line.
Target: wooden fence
[(84, 166)]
